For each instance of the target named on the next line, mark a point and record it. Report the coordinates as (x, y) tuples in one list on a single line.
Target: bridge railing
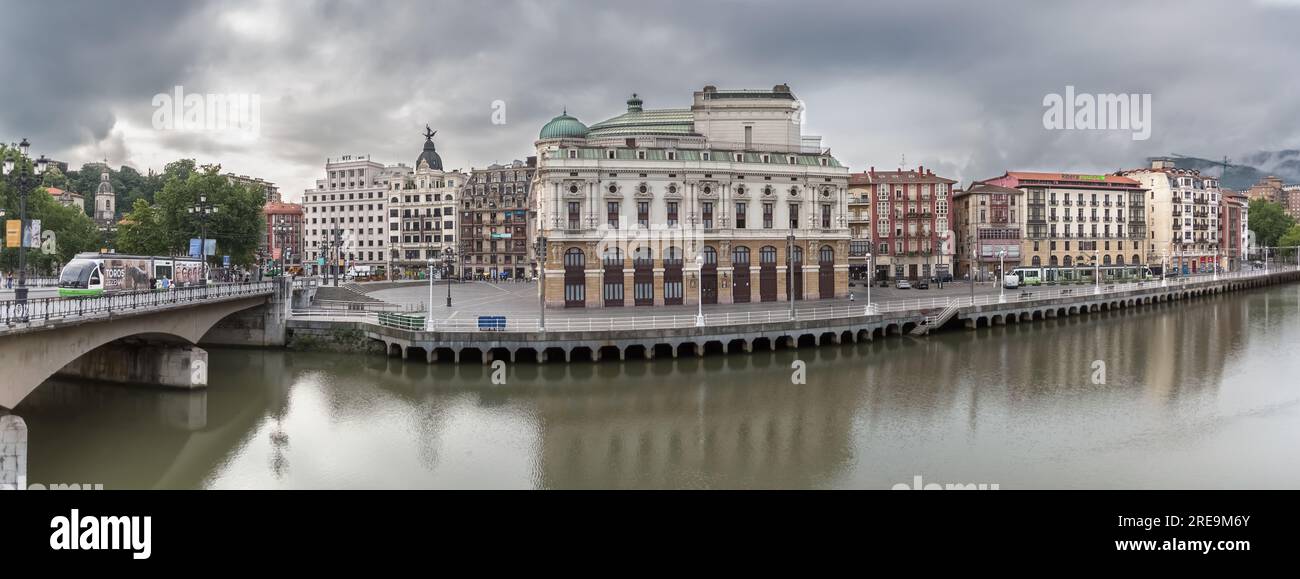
[(41, 310), (415, 320)]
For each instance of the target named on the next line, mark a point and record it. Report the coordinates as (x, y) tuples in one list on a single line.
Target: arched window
[(673, 256), (1135, 261), (767, 255), (1105, 259), (826, 255), (710, 255), (613, 257), (1119, 260), (740, 255), (573, 258), (643, 257), (1036, 261), (797, 255), (1068, 262), (1051, 261)]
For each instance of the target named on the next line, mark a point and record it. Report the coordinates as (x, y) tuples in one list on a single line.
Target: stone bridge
[(141, 338)]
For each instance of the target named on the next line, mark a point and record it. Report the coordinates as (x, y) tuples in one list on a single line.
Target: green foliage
[(141, 231), (74, 231), (1269, 222), (237, 225), (158, 222), (1290, 239)]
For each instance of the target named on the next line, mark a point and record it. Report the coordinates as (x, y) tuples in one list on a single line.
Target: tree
[(238, 224), (1291, 240), (141, 231), (1269, 222)]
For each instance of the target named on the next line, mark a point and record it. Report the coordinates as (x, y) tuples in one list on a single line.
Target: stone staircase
[(936, 320)]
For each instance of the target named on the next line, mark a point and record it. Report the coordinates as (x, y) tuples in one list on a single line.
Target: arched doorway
[(673, 287), (796, 263), (709, 276), (643, 277), (740, 274), (575, 278), (826, 272), (612, 284), (767, 274)]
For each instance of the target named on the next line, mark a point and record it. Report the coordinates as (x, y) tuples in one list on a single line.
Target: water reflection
[(1195, 395)]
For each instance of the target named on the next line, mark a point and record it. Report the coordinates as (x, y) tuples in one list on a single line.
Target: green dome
[(563, 127)]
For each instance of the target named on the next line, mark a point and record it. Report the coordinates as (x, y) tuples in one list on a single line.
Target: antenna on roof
[(1225, 169)]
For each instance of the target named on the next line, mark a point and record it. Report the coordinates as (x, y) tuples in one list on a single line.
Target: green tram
[(1030, 275), (97, 274)]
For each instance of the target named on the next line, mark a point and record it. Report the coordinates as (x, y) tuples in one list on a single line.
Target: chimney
[(920, 169)]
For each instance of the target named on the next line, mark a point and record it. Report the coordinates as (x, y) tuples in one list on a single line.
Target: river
[(1195, 394)]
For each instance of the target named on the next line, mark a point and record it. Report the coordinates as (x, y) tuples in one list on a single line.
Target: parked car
[(922, 284), (884, 282), (1011, 281), (903, 284)]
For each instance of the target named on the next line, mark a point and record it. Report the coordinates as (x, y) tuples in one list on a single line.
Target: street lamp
[(1096, 270), (448, 258), (539, 249), (428, 313), (699, 284), (24, 185), (789, 272), (870, 270), (203, 210), (1002, 273)]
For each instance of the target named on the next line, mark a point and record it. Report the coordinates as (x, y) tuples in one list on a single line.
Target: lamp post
[(1002, 274), (448, 258), (1096, 270), (203, 210), (1164, 268), (870, 270), (539, 249), (24, 185), (428, 312), (789, 272), (699, 284), (970, 273)]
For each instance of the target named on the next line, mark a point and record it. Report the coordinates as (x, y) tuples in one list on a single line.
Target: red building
[(1233, 209), (282, 240), (910, 229)]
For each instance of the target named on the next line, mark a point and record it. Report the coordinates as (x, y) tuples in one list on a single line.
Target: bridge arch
[(32, 355)]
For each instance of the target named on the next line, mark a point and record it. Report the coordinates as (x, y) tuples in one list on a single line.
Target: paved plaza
[(470, 299)]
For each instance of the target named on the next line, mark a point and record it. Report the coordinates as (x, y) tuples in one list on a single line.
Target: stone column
[(13, 453)]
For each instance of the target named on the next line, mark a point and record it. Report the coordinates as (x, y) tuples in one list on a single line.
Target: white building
[(1182, 216), (628, 204), (422, 212), (344, 220)]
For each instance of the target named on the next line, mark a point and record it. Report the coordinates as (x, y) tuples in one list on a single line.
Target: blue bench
[(491, 323)]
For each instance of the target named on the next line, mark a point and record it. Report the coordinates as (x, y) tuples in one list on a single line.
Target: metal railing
[(42, 310), (933, 309)]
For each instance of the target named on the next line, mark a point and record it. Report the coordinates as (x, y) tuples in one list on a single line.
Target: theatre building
[(725, 201)]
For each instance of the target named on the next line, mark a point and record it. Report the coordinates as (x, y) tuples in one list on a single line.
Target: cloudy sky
[(956, 85)]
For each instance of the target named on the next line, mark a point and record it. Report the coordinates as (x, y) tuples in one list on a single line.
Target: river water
[(1200, 394)]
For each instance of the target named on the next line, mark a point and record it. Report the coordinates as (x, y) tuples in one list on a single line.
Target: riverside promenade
[(596, 335)]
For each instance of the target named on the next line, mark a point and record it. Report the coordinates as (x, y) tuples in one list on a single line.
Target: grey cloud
[(953, 85)]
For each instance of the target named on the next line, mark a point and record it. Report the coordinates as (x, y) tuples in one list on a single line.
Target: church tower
[(105, 199)]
